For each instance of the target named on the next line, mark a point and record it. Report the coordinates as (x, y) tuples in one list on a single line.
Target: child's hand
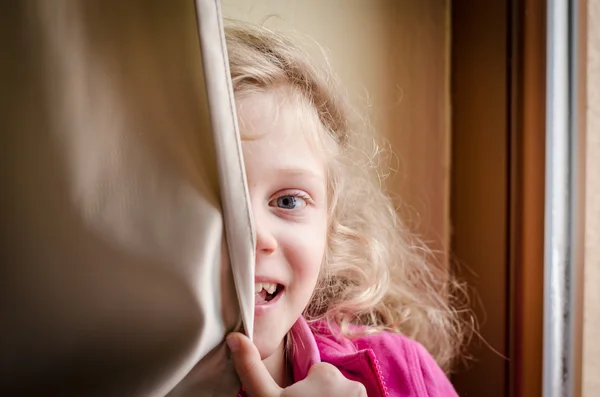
[(323, 379)]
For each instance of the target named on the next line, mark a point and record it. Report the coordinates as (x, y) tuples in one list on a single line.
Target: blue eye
[(287, 202)]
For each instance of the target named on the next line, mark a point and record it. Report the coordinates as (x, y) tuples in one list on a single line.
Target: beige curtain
[(119, 156)]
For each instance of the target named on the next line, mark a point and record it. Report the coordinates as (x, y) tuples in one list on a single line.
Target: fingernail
[(233, 343)]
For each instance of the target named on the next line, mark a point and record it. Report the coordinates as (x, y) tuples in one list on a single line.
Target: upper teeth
[(269, 287)]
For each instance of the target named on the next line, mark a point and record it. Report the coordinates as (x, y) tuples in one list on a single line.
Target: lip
[(264, 279), (261, 310)]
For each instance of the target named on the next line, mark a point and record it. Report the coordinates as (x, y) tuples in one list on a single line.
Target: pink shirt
[(387, 364)]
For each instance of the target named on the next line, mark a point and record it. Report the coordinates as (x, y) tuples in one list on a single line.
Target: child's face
[(287, 184)]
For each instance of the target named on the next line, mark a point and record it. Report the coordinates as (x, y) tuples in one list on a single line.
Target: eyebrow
[(304, 172)]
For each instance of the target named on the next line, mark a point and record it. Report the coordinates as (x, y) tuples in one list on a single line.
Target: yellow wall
[(393, 56)]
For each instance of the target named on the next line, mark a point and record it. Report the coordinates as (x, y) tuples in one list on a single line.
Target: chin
[(267, 344)]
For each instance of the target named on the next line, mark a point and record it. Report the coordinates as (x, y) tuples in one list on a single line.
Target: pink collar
[(305, 352)]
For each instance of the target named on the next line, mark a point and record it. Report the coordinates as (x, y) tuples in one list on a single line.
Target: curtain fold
[(119, 165)]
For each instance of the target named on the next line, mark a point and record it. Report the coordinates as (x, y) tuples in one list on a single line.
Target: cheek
[(304, 251)]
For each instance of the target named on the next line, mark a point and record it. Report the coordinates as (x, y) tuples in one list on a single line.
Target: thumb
[(252, 372)]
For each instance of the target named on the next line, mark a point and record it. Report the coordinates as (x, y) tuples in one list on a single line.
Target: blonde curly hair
[(375, 273)]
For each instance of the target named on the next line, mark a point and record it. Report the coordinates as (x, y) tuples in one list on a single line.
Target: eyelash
[(304, 196)]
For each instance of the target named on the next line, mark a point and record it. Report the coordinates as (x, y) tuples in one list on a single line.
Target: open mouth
[(266, 292)]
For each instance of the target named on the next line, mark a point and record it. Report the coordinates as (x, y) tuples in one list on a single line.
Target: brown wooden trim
[(497, 197), (480, 184), (527, 198)]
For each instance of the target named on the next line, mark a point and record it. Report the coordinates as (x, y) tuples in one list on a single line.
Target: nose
[(266, 242)]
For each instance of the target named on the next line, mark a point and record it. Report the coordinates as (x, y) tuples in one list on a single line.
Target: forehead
[(279, 124), (284, 106)]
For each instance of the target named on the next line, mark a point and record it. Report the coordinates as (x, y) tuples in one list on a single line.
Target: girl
[(338, 277)]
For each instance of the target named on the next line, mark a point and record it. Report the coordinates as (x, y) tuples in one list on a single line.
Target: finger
[(329, 381), (324, 370), (322, 379), (252, 372), (357, 390)]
